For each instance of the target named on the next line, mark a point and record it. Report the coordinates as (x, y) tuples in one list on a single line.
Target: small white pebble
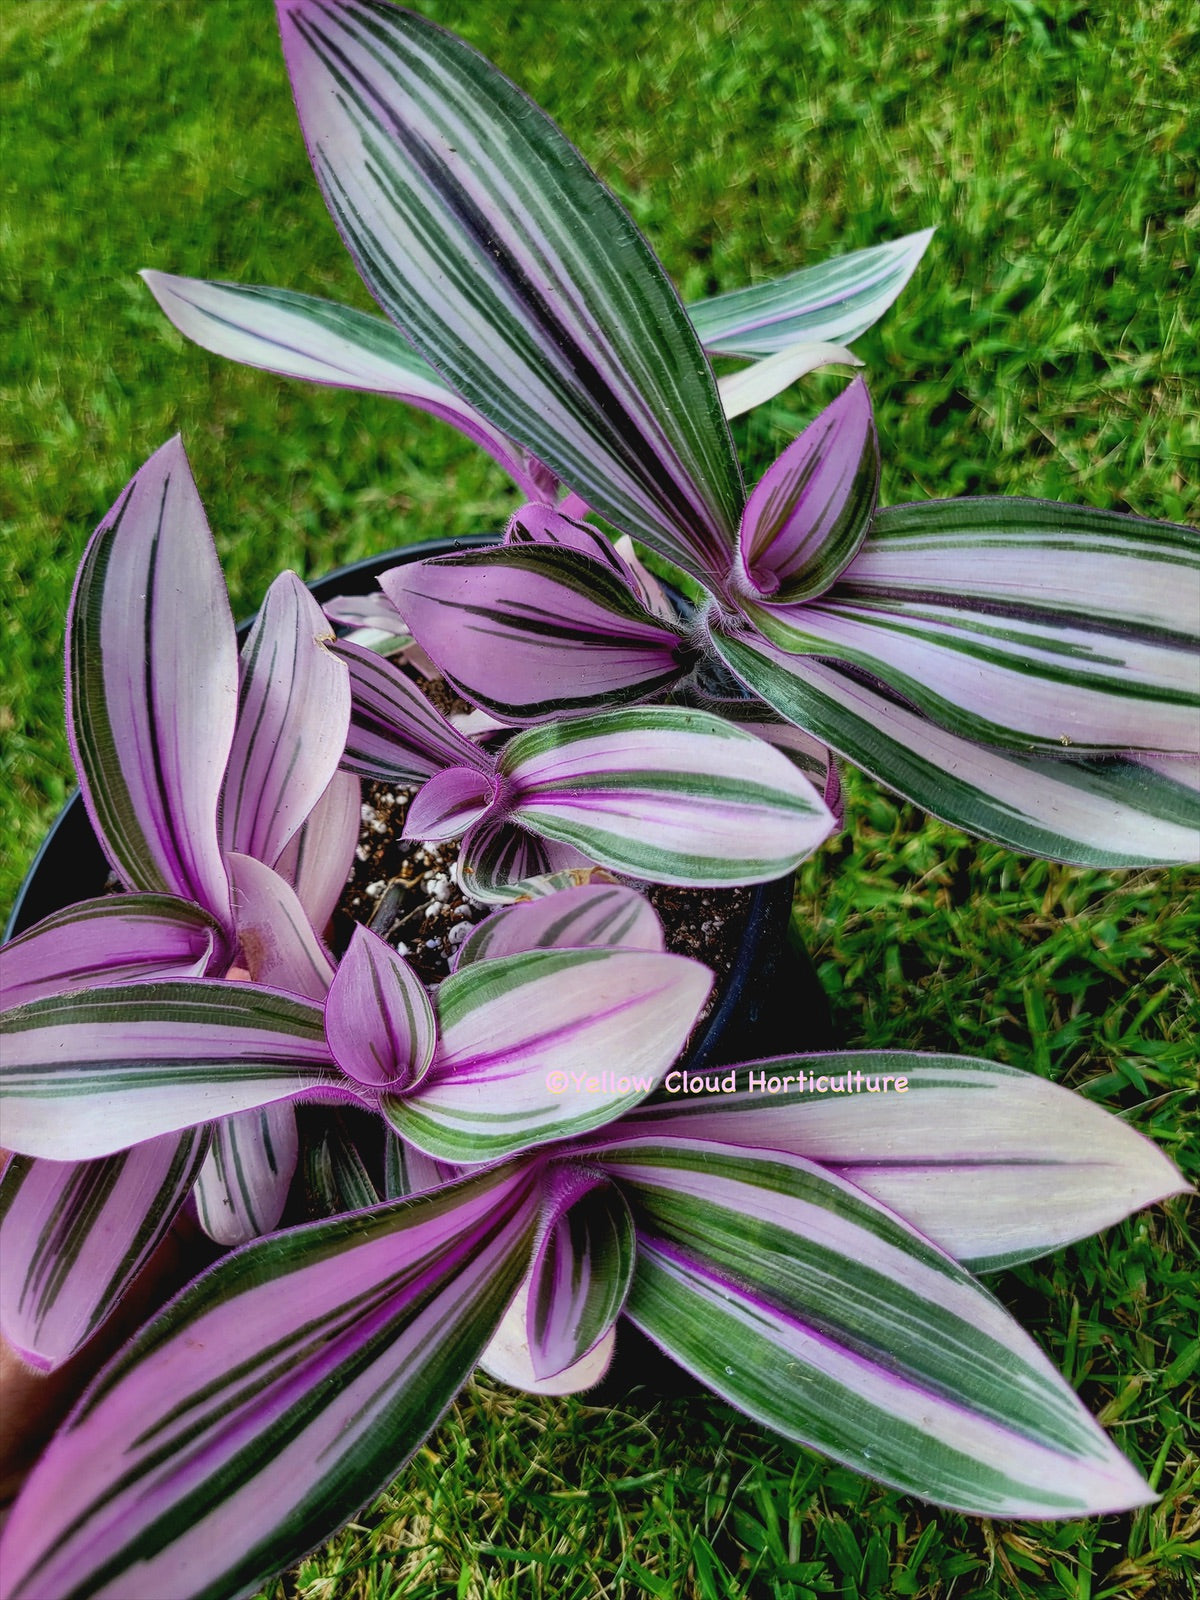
[(432, 944), (368, 813), (378, 826), (461, 911), (459, 933), (402, 948), (439, 886), (432, 911), (374, 890), (361, 852)]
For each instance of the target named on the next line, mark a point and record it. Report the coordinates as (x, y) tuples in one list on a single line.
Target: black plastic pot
[(771, 1003)]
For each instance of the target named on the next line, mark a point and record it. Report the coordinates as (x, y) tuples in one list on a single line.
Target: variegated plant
[(529, 1174), (787, 1246), (1024, 669)]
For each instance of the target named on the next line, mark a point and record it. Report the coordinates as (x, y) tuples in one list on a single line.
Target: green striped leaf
[(579, 917), (150, 732), (74, 1235), (486, 238), (1023, 623), (91, 1073), (276, 1395), (826, 1317), (1101, 813), (531, 632), (834, 300), (114, 939), (581, 1271), (243, 1186), (543, 1045), (665, 794), (994, 1165), (303, 336)]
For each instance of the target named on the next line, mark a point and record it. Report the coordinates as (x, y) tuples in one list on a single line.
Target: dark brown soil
[(406, 891)]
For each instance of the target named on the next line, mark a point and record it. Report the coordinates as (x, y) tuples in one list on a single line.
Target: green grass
[(1047, 346)]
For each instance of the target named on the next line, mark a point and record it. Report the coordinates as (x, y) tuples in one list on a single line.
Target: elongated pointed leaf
[(319, 858), (110, 940), (482, 233), (823, 1315), (536, 631), (277, 1394), (87, 1074), (152, 685), (243, 1185), (293, 716), (1114, 813), (547, 1044), (497, 859), (73, 1235), (752, 386), (279, 948), (809, 512), (833, 300), (992, 1164), (1022, 623), (378, 1018), (302, 336), (581, 1271), (396, 734), (591, 915), (669, 795)]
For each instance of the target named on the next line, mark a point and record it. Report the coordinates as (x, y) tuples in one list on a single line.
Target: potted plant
[(647, 1200)]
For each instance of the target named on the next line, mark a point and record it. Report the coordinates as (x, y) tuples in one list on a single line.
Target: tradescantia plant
[(507, 1164), (1023, 669)]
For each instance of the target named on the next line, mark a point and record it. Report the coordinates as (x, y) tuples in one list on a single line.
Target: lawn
[(1047, 346)]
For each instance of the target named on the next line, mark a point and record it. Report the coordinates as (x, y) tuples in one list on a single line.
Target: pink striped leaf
[(318, 860), (279, 948), (396, 734), (276, 1395), (581, 1270), (91, 1073), (449, 804), (293, 716), (74, 1235), (114, 939), (537, 630), (303, 336), (1044, 628), (582, 917), (522, 1040), (994, 1165), (810, 510), (152, 685), (497, 861), (812, 1308), (378, 1019), (514, 271), (1110, 813), (665, 794), (243, 1185)]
